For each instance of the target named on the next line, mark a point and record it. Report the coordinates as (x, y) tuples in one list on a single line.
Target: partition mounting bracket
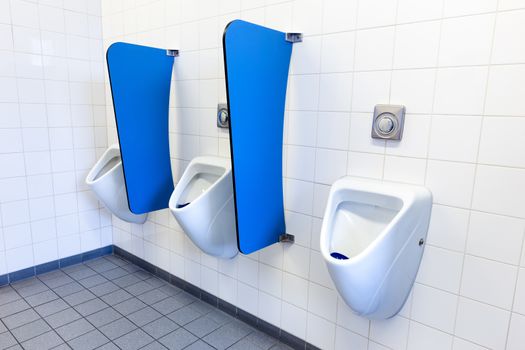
[(294, 37)]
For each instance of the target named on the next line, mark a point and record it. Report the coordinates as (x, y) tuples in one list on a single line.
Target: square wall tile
[(417, 45), (482, 324), (499, 190), (508, 48), (501, 142), (466, 40), (454, 138), (495, 237), (451, 183), (460, 90), (488, 281)]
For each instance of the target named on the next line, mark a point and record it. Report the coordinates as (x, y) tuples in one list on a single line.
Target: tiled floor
[(109, 303)]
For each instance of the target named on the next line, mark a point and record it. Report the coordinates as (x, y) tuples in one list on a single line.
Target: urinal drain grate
[(339, 256)]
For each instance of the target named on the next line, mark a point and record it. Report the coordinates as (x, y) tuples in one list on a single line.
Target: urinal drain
[(338, 256)]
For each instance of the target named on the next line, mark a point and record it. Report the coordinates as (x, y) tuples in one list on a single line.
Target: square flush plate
[(388, 122)]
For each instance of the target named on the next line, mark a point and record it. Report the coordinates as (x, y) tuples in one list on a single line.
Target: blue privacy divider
[(256, 63), (140, 79)]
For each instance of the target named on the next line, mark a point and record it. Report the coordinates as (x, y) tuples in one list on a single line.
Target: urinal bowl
[(202, 204), (106, 180), (372, 241)]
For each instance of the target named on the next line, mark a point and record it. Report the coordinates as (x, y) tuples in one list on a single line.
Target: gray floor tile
[(155, 282), (261, 339), (178, 339), (154, 346), (103, 317), (220, 317), (79, 271), (160, 327), (202, 326), (88, 341), (51, 275), (68, 289), (170, 290), (131, 268), (13, 307), (62, 346), (142, 275), (51, 307), (20, 318), (126, 280), (184, 315), (30, 330), (100, 265), (41, 298), (117, 328), (104, 288), (144, 316), (134, 340), (8, 295), (74, 329), (116, 260), (139, 288), (116, 297), (167, 306), (29, 287), (90, 307), (227, 335), (129, 306), (244, 344), (281, 346), (58, 281), (92, 281), (202, 307), (114, 273), (15, 347), (3, 328), (153, 296), (199, 345), (62, 317), (44, 341), (79, 297), (6, 340), (185, 298), (108, 346)]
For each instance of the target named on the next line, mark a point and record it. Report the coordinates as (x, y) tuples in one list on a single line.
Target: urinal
[(372, 241), (202, 204), (106, 180)]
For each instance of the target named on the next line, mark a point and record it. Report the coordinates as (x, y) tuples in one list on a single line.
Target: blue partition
[(256, 64), (140, 79)]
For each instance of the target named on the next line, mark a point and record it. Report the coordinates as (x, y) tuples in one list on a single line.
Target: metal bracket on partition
[(172, 52), (286, 238), (294, 37)]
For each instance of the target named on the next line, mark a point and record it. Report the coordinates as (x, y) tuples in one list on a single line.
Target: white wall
[(52, 126), (458, 66)]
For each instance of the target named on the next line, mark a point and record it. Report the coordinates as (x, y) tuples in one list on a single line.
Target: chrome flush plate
[(388, 122)]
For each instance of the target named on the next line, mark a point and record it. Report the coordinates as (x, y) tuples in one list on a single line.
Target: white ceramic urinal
[(106, 180), (372, 240), (202, 203)]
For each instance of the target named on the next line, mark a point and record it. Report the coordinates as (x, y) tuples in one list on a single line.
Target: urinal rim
[(90, 178), (367, 186), (186, 178)]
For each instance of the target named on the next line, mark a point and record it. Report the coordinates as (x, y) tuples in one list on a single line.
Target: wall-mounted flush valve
[(223, 116), (388, 122)]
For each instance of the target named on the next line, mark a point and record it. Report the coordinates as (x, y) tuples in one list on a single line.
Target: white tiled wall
[(457, 65), (52, 127)]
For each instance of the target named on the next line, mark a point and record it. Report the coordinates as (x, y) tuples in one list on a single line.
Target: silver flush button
[(388, 122)]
